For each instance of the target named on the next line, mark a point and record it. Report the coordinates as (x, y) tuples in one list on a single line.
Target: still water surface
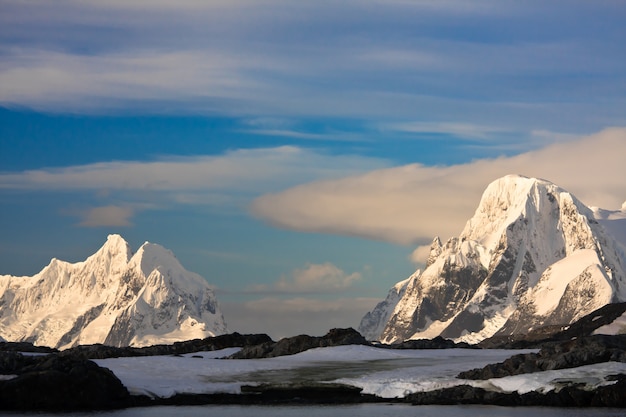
[(359, 410)]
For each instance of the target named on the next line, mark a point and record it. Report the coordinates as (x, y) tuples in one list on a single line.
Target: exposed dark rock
[(436, 343), (98, 351), (12, 362), (569, 396), (315, 393), (557, 355), (297, 344), (24, 347), (270, 394), (55, 382), (611, 395), (461, 394), (537, 337)]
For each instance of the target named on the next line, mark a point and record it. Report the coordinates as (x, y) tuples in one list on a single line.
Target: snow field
[(383, 372)]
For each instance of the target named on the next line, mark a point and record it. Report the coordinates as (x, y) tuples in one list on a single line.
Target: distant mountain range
[(531, 256), (114, 297)]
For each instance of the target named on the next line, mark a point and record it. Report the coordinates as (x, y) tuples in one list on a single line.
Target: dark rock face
[(178, 348), (24, 347), (570, 396), (536, 338), (297, 344), (436, 343), (54, 382), (569, 354)]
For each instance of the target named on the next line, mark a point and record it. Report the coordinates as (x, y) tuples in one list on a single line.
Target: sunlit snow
[(383, 372)]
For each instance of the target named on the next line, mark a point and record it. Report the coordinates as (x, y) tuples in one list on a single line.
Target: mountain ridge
[(114, 297), (531, 255)]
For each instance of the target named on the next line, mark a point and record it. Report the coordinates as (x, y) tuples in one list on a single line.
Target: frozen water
[(383, 372)]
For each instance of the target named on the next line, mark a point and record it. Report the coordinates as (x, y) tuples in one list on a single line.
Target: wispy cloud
[(420, 254), (383, 60), (319, 315), (460, 130), (106, 216), (313, 278), (294, 134), (246, 170), (414, 203)]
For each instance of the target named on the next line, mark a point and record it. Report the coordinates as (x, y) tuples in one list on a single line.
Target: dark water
[(360, 410)]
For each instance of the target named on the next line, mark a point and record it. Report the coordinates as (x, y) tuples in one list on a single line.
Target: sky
[(299, 155)]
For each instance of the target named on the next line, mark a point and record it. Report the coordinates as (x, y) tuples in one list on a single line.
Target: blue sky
[(297, 154)]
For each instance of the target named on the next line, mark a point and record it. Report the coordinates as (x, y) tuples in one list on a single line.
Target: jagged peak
[(531, 254), (509, 198), (435, 251), (115, 244), (108, 299), (152, 256)]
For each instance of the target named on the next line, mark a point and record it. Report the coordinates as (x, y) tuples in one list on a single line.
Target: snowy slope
[(374, 322), (532, 255), (382, 372), (113, 297)]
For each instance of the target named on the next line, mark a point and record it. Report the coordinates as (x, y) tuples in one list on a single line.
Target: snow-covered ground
[(386, 373)]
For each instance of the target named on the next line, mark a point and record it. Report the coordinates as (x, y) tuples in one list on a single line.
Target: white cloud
[(293, 316), (420, 254), (58, 81), (413, 203), (106, 216), (240, 58), (461, 130), (324, 277), (313, 278), (246, 170)]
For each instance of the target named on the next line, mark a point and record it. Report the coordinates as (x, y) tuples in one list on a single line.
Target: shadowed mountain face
[(114, 297), (531, 256)]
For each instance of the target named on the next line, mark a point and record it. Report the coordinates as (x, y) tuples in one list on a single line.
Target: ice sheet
[(383, 372), (201, 372)]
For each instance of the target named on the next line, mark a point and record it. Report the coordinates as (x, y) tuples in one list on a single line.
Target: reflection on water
[(359, 410), (319, 371)]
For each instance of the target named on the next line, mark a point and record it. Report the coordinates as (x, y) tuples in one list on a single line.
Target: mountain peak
[(115, 244), (115, 240), (532, 255), (113, 297), (152, 256), (515, 198)]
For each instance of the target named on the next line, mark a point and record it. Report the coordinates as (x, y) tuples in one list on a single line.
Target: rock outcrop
[(55, 382), (557, 355), (297, 344)]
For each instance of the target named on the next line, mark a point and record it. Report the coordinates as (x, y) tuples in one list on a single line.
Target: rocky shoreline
[(70, 380)]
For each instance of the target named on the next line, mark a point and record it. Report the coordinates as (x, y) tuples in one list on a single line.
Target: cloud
[(420, 254), (244, 170), (107, 216), (363, 59), (293, 316), (324, 277), (313, 278), (61, 81), (462, 130), (413, 203)]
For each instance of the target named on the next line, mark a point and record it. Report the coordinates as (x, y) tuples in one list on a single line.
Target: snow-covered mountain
[(114, 297), (532, 255)]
